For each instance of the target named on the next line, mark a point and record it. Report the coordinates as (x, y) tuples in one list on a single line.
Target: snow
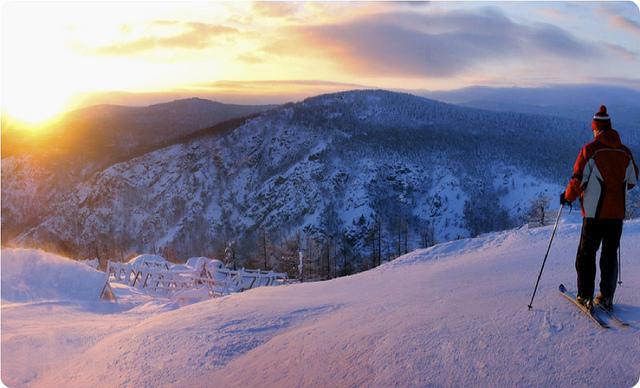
[(185, 297), (31, 275), (93, 263), (148, 260), (197, 262), (451, 315), (448, 210), (521, 188)]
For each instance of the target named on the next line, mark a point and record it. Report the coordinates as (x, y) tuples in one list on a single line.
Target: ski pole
[(545, 257), (619, 267)]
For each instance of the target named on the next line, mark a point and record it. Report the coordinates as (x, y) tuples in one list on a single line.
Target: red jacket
[(602, 174)]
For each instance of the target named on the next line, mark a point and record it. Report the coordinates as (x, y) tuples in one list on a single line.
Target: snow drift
[(451, 315), (32, 275)]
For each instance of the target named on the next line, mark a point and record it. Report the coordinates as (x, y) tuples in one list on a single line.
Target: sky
[(58, 56)]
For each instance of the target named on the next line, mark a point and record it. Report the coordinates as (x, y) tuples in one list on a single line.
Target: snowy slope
[(29, 275), (451, 315)]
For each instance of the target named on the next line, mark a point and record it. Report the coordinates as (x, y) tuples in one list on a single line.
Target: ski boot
[(586, 302), (604, 302)]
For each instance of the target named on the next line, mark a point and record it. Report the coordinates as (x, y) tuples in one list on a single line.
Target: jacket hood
[(609, 137)]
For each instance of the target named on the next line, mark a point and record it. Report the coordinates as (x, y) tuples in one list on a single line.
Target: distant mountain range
[(577, 102), (350, 178)]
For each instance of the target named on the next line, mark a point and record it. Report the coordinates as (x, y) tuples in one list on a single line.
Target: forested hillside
[(351, 179)]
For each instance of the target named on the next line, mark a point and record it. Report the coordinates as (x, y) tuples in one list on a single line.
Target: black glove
[(563, 200)]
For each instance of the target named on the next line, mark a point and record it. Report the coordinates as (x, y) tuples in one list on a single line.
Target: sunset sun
[(37, 106)]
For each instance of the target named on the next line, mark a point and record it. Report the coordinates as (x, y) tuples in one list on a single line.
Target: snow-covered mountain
[(40, 168), (352, 178), (451, 315)]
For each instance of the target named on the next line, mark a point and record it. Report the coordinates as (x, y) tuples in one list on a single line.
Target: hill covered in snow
[(33, 276), (41, 166), (353, 178), (451, 315)]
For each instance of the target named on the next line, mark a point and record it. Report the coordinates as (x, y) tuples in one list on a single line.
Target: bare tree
[(537, 210)]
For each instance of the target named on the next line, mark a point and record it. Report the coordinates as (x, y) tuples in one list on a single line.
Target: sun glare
[(48, 62), (36, 109)]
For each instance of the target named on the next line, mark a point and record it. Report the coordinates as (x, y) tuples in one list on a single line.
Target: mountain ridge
[(577, 102), (84, 144), (369, 173)]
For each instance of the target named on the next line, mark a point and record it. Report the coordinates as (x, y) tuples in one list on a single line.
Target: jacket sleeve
[(632, 173), (574, 188)]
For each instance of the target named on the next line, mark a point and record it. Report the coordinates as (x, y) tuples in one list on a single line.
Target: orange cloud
[(190, 35), (229, 91), (270, 87)]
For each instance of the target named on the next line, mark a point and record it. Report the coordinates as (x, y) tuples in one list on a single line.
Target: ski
[(572, 298), (612, 315)]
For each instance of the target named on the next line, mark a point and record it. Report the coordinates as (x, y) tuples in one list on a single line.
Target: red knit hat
[(601, 120)]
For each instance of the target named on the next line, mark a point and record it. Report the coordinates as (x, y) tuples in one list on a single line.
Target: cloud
[(269, 84), (269, 91), (625, 24), (167, 34), (551, 13), (554, 40), (441, 44), (615, 11), (251, 59), (276, 9), (620, 51), (633, 83), (228, 91)]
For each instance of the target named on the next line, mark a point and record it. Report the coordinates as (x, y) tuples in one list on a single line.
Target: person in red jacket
[(602, 174)]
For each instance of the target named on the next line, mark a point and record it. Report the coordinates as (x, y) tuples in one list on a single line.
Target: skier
[(602, 174)]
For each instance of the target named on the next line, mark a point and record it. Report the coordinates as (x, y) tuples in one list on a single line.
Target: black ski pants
[(594, 232)]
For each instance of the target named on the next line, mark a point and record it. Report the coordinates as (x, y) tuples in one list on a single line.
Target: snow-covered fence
[(156, 274), (161, 278), (245, 279)]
